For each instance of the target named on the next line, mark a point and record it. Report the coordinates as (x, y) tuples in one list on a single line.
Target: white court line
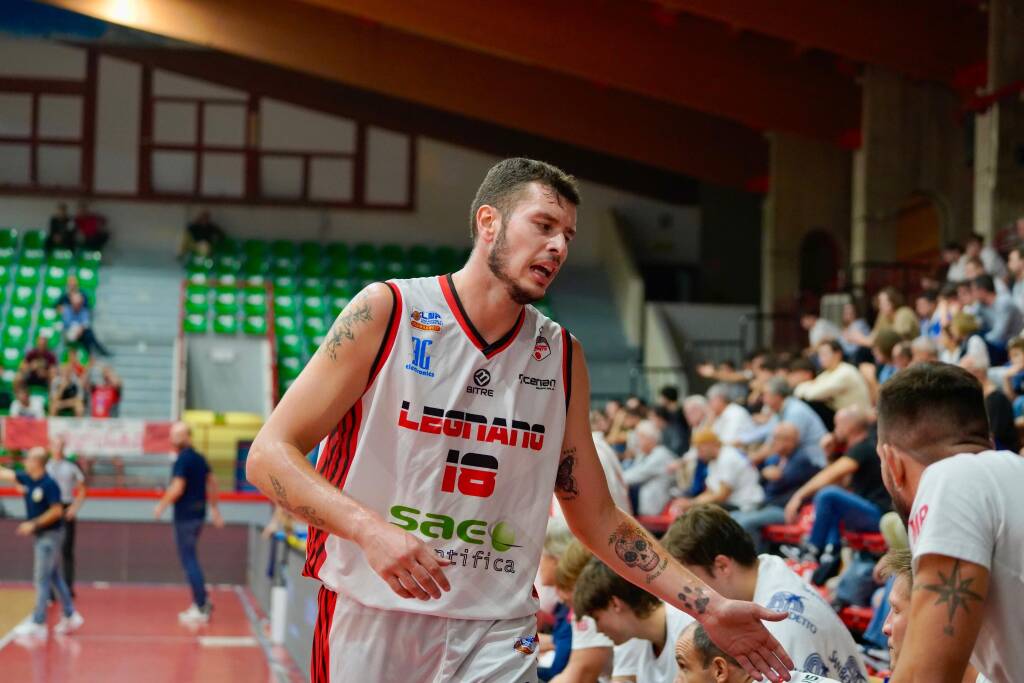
[(228, 641)]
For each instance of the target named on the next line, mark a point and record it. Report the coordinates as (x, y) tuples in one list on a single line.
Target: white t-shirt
[(813, 636), (732, 423), (636, 657), (585, 636), (966, 507), (67, 475), (734, 470), (36, 408)]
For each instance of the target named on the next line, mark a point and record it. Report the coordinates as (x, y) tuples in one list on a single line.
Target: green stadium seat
[(32, 257), (282, 265), (198, 278), (289, 344), (227, 263), (393, 271), (419, 254), (255, 325), (421, 269), (195, 323), (48, 331), (337, 251), (311, 286), (88, 277), (285, 284), (445, 259), (91, 258), (340, 286), (255, 249), (285, 324), (311, 251), (339, 268), (10, 358), (225, 324), (51, 295), (8, 238), (367, 270), (225, 279), (56, 276), (285, 305), (6, 256), (5, 275), (392, 255), (24, 296), (196, 301), (254, 303), (283, 249), (26, 275), (254, 266), (289, 367), (33, 239), (227, 246), (48, 316), (16, 335), (225, 302), (314, 327), (365, 252), (253, 280), (311, 268), (365, 282), (314, 306), (61, 257), (82, 355), (338, 303)]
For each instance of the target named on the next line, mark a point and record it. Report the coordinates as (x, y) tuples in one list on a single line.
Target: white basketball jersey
[(456, 441)]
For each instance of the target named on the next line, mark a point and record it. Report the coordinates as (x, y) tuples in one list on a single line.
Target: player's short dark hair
[(597, 585), (931, 404), (706, 647), (703, 533), (505, 180), (670, 393)]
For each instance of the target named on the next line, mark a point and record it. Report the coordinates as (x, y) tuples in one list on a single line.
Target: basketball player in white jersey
[(449, 409)]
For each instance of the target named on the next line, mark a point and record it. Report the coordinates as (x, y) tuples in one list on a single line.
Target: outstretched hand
[(735, 626)]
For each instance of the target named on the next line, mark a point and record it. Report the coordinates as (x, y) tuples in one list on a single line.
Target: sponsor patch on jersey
[(420, 357), (538, 382), (541, 348), (526, 644), (428, 321), (481, 378)]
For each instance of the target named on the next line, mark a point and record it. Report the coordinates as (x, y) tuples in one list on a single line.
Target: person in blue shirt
[(78, 325), (44, 519), (192, 487), (785, 407)]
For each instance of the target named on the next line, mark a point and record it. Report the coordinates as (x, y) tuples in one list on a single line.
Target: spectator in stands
[(676, 432), (649, 477), (623, 424), (731, 480), (556, 540), (1016, 267), (712, 545), (854, 327), (998, 407), (856, 508), (78, 326), (71, 483), (992, 262), (39, 366), (105, 392), (591, 658), (799, 370), (999, 315), (44, 520), (840, 385), (697, 413), (791, 464), (897, 563), (960, 339), (784, 407), (966, 531), (819, 329), (26, 405), (70, 289), (91, 227), (952, 254), (201, 236), (61, 234), (926, 305), (67, 397), (730, 419), (923, 350), (192, 487), (643, 628), (1013, 376)]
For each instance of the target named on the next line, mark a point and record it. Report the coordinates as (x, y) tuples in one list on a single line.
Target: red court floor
[(131, 633)]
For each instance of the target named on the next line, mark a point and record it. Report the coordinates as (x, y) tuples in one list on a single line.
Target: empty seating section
[(31, 283), (312, 283)]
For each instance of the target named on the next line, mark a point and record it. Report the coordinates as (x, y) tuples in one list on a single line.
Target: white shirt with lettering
[(968, 507)]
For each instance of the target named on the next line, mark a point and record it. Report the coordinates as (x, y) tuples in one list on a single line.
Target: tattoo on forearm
[(955, 591), (657, 572), (565, 483), (634, 547), (358, 311), (306, 512), (694, 599)]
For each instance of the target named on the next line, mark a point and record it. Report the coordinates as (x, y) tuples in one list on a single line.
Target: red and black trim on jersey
[(567, 366), (490, 350), (335, 461), (320, 662)]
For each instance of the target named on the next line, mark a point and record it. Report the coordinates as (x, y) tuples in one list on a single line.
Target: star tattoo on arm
[(955, 591), (565, 482)]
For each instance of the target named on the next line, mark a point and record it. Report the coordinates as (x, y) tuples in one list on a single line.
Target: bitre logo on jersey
[(541, 349), (420, 357), (428, 321), (481, 378)]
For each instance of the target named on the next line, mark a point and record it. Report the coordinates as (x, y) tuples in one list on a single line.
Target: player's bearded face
[(498, 261)]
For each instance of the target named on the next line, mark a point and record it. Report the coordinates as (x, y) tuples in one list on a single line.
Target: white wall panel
[(15, 114), (14, 161), (59, 166), (331, 180), (173, 172), (40, 59), (117, 126), (60, 116), (287, 127), (223, 175), (224, 125), (171, 84), (175, 123), (281, 177), (387, 167)]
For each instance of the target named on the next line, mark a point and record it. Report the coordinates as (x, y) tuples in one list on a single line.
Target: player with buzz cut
[(449, 409)]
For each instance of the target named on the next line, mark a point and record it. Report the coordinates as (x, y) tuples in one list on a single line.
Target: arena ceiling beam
[(685, 60), (927, 39), (351, 51)]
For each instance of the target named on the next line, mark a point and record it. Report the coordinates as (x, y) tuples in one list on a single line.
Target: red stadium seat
[(856, 618), (873, 543), (791, 534)]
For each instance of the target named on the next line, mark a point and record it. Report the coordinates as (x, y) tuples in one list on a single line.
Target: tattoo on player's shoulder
[(358, 311), (955, 592)]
